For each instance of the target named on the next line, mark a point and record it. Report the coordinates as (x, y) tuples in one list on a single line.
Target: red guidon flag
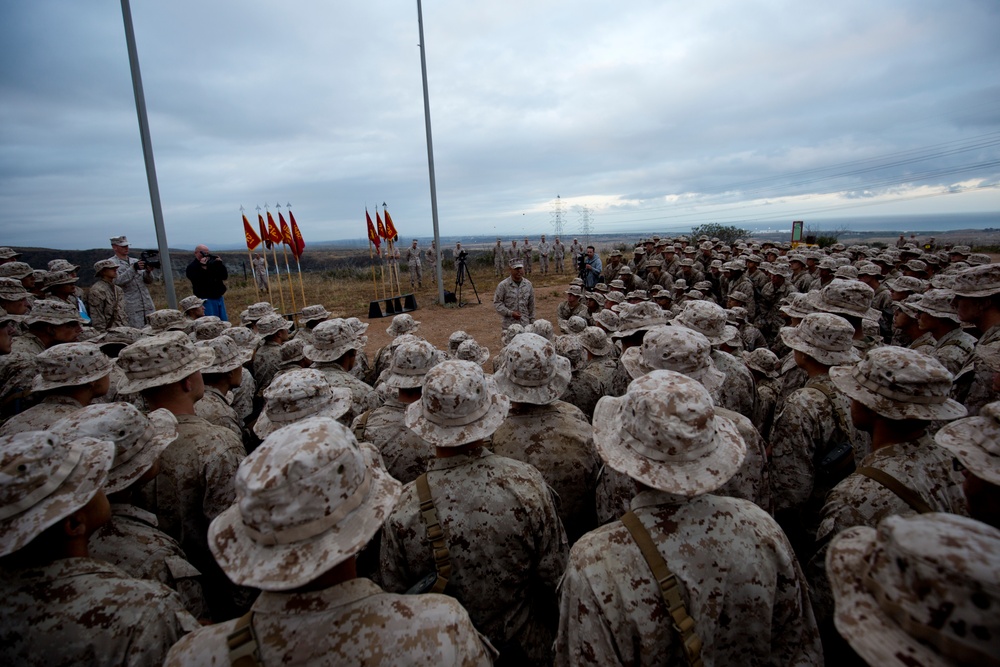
[(381, 227), (300, 244), (286, 233), (264, 236), (252, 239), (389, 227), (373, 235), (272, 229)]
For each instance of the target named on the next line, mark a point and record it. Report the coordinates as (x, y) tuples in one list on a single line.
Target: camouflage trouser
[(526, 258), (498, 267), (559, 264), (416, 274), (544, 261)]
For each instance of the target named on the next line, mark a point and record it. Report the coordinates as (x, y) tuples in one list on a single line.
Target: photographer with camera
[(133, 276), (208, 273)]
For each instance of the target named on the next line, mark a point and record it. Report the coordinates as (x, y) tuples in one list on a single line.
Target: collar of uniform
[(225, 398), (60, 399), (457, 460), (194, 420), (991, 335), (905, 448), (652, 497), (394, 403), (333, 365), (130, 511), (340, 595)]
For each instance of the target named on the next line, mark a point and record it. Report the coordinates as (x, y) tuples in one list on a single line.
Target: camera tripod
[(461, 273)]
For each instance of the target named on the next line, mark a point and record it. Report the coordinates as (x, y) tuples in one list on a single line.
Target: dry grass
[(350, 297)]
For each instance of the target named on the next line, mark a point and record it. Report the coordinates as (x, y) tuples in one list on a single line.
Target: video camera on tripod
[(151, 258), (461, 273)]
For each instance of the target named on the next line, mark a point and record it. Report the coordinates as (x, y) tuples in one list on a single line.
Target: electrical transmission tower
[(557, 217), (586, 224)]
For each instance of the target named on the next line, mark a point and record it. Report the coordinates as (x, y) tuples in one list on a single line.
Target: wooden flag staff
[(253, 271), (274, 254), (297, 253)]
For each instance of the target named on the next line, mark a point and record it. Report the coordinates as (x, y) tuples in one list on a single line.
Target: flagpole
[(371, 258), (430, 152), (274, 254), (263, 236), (288, 270), (298, 251), (253, 271)]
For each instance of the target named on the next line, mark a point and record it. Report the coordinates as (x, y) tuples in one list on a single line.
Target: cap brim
[(205, 358), (165, 429), (40, 384), (543, 395), (843, 379), (283, 567), (686, 478), (313, 353), (454, 436), (960, 438), (336, 409), (792, 337)]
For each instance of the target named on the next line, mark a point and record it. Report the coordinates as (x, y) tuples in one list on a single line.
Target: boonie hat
[(531, 371), (166, 319), (313, 313), (228, 354), (105, 264), (332, 339), (677, 349), (272, 324), (825, 337), (706, 318), (160, 360), (402, 324), (470, 350), (70, 365), (208, 327), (189, 302), (52, 311), (298, 394), (18, 270), (976, 442), (410, 362)]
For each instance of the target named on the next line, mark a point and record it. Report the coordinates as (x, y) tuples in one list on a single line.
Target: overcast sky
[(653, 114)]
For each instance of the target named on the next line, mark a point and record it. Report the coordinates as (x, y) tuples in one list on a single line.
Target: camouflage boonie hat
[(11, 289), (736, 315), (359, 329), (228, 354), (846, 273), (654, 263), (460, 404), (577, 281), (160, 360), (292, 352), (687, 261), (573, 325), (272, 324), (531, 371), (508, 334), (617, 285), (763, 361), (6, 317), (674, 349), (166, 319), (625, 271), (105, 264), (44, 478), (916, 265), (244, 337), (909, 305), (595, 340), (900, 383), (455, 339), (664, 433), (307, 499), (608, 319), (638, 250), (313, 313), (869, 270), (70, 365), (120, 336), (543, 328), (825, 337), (846, 297), (978, 259), (470, 350), (18, 270), (662, 293), (259, 310), (332, 339), (138, 439), (695, 295), (601, 288), (614, 298), (782, 270), (571, 349), (574, 290), (62, 265), (298, 394), (919, 590), (119, 240), (8, 253), (961, 250), (52, 311), (639, 317), (402, 324), (975, 281), (189, 302), (598, 298), (737, 295), (410, 362), (907, 284), (615, 253), (706, 318), (976, 442), (208, 327), (937, 303)]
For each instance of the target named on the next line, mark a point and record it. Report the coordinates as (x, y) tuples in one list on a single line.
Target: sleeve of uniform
[(394, 570), (125, 275), (584, 636), (498, 300), (551, 541), (220, 472), (530, 305), (98, 308), (162, 623), (793, 444)]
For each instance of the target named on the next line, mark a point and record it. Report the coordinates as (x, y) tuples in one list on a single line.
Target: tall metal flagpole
[(147, 153), (430, 154)]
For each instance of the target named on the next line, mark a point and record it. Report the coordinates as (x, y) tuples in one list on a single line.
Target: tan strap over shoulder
[(242, 643), (670, 589), (905, 493), (435, 535)]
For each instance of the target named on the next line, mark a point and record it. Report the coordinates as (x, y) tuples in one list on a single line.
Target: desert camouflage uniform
[(803, 282), (17, 371), (564, 311), (106, 306), (194, 486), (40, 417), (527, 255), (558, 440), (28, 343), (510, 296), (131, 541), (745, 285), (352, 623), (265, 364), (805, 429), (752, 481), (615, 491), (953, 350), (974, 383), (362, 395), (792, 377), (80, 611), (544, 249), (752, 337), (499, 259), (920, 465), (766, 405), (575, 250), (586, 387), (405, 453), (215, 408), (769, 317), (507, 545), (559, 255), (413, 261), (752, 603), (243, 396), (882, 302), (737, 392), (925, 343), (138, 302)]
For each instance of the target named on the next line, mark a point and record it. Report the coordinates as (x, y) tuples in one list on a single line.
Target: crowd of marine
[(711, 455)]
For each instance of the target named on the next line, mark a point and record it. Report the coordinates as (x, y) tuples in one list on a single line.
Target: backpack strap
[(905, 493), (842, 421), (242, 643), (359, 430), (670, 589), (435, 535)]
